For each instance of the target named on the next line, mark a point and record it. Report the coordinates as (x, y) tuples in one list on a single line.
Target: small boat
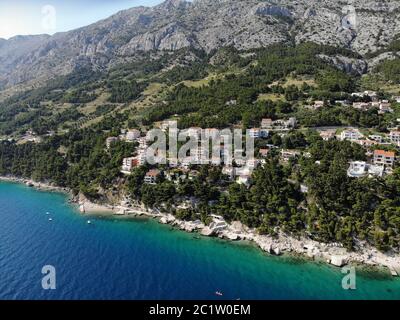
[(50, 219), (47, 213), (89, 222), (218, 293)]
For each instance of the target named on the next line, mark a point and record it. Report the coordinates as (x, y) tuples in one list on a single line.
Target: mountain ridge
[(202, 24)]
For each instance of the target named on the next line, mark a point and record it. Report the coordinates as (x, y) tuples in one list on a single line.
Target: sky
[(26, 17)]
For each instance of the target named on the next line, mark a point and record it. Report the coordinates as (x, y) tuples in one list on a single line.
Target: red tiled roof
[(384, 153), (153, 173)]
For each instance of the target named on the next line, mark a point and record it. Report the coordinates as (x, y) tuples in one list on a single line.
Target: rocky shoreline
[(37, 185), (332, 253)]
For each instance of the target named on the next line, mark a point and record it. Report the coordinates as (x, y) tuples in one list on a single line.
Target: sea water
[(114, 258)]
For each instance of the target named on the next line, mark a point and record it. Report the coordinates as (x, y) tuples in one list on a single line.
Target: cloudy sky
[(23, 17)]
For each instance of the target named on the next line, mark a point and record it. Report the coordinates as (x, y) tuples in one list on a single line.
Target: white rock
[(232, 236), (338, 261), (277, 251), (207, 232), (163, 220)]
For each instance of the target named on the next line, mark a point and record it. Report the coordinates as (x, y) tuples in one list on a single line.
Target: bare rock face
[(363, 26), (273, 11), (171, 37), (349, 65)]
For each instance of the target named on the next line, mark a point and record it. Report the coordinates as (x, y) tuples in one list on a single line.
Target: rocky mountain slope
[(363, 26)]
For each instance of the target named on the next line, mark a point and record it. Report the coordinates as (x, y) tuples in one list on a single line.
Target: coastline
[(85, 206), (42, 186), (332, 253)]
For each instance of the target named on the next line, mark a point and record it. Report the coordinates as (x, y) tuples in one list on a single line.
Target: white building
[(151, 176), (129, 163), (327, 135), (385, 106), (255, 133), (384, 158), (394, 137), (267, 123), (371, 94), (359, 169), (141, 157), (351, 134), (377, 138), (279, 124)]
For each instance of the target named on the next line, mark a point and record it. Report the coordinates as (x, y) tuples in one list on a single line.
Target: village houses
[(351, 134), (151, 176), (384, 158), (128, 164), (359, 169), (371, 94), (279, 124), (394, 137), (328, 134)]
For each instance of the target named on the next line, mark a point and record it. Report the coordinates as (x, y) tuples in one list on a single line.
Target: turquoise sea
[(141, 259)]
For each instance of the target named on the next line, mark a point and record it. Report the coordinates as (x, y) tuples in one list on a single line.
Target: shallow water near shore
[(142, 259)]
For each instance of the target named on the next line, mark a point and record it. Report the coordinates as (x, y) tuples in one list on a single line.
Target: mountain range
[(365, 27)]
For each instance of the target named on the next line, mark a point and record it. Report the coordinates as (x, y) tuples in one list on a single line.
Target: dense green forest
[(124, 91), (390, 69), (206, 106)]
